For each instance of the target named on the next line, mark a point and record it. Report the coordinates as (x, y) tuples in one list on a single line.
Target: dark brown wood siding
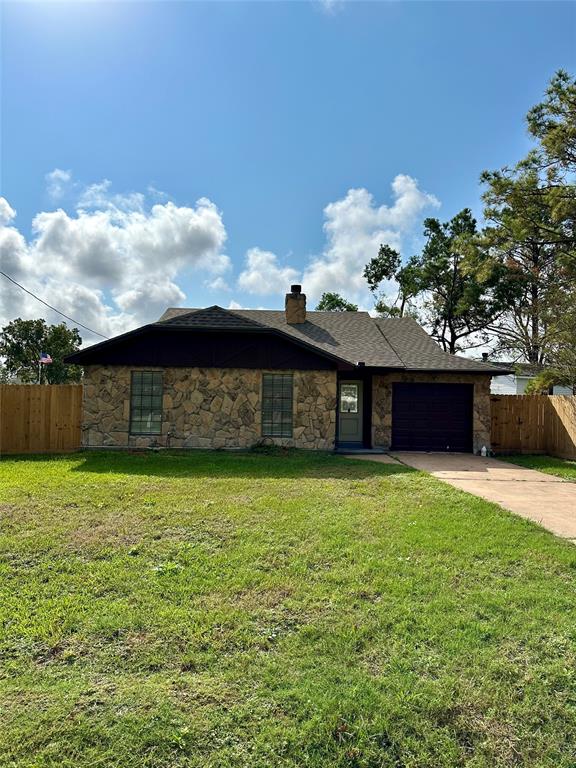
[(204, 349)]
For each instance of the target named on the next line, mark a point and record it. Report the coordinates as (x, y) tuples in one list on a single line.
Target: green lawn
[(552, 466), (291, 610)]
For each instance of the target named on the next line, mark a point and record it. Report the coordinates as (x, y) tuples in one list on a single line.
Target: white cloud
[(14, 254), (262, 275), (57, 183), (355, 227), (114, 263), (98, 197), (218, 284), (330, 6), (155, 295), (7, 213), (156, 194)]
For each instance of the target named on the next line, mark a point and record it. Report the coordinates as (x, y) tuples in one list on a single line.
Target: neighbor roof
[(397, 343), (527, 370)]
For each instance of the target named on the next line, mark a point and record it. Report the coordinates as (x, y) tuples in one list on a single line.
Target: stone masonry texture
[(222, 408), (207, 408)]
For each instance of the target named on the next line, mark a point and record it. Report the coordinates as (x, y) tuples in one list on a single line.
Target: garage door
[(432, 417)]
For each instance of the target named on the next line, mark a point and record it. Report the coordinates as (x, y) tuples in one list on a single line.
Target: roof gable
[(212, 317), (349, 336)]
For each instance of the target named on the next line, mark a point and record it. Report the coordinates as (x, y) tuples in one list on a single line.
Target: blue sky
[(271, 111)]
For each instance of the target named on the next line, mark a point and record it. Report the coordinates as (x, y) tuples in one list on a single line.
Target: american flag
[(45, 358)]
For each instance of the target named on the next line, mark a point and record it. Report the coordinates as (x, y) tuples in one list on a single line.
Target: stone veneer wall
[(382, 403), (207, 408)]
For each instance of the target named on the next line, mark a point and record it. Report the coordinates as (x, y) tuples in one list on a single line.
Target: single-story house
[(515, 383), (220, 378)]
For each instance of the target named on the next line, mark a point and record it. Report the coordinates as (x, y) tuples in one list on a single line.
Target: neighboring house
[(515, 383), (217, 378)]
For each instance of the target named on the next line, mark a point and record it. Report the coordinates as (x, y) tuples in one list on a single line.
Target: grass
[(214, 610), (549, 464)]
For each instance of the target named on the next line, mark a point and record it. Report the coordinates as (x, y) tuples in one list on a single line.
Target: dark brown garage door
[(432, 417)]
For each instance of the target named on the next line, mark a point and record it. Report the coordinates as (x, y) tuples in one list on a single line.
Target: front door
[(350, 412)]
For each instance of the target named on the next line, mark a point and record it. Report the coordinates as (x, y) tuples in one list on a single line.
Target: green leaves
[(533, 246), (387, 266), (333, 302), (553, 124), (515, 278), (22, 342), (530, 237), (382, 267), (460, 302)]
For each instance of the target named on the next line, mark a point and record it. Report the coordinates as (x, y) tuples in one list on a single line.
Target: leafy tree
[(553, 124), (333, 302), (387, 266), (22, 342), (531, 254), (460, 302), (561, 357), (438, 286), (542, 384), (531, 233), (563, 352)]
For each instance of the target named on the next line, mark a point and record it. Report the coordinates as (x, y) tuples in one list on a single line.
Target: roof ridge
[(214, 313), (189, 310), (236, 313), (330, 312)]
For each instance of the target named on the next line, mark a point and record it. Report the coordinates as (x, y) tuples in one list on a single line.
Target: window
[(277, 402), (146, 403), (348, 398)]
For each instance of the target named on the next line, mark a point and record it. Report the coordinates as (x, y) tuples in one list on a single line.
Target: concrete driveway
[(546, 499)]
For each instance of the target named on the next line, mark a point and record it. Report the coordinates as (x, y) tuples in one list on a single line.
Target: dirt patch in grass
[(94, 535)]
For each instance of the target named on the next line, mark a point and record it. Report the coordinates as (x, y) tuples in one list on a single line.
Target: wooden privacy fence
[(40, 418), (534, 424)]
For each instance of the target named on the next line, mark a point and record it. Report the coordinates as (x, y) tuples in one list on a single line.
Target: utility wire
[(51, 307)]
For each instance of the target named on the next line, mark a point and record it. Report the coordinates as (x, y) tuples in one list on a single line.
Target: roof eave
[(76, 357), (487, 372)]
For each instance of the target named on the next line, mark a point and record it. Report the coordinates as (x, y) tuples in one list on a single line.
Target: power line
[(51, 307)]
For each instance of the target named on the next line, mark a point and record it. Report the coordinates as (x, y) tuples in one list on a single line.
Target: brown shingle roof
[(419, 352), (398, 343), (211, 317)]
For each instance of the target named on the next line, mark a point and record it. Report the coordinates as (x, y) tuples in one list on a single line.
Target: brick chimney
[(295, 305)]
